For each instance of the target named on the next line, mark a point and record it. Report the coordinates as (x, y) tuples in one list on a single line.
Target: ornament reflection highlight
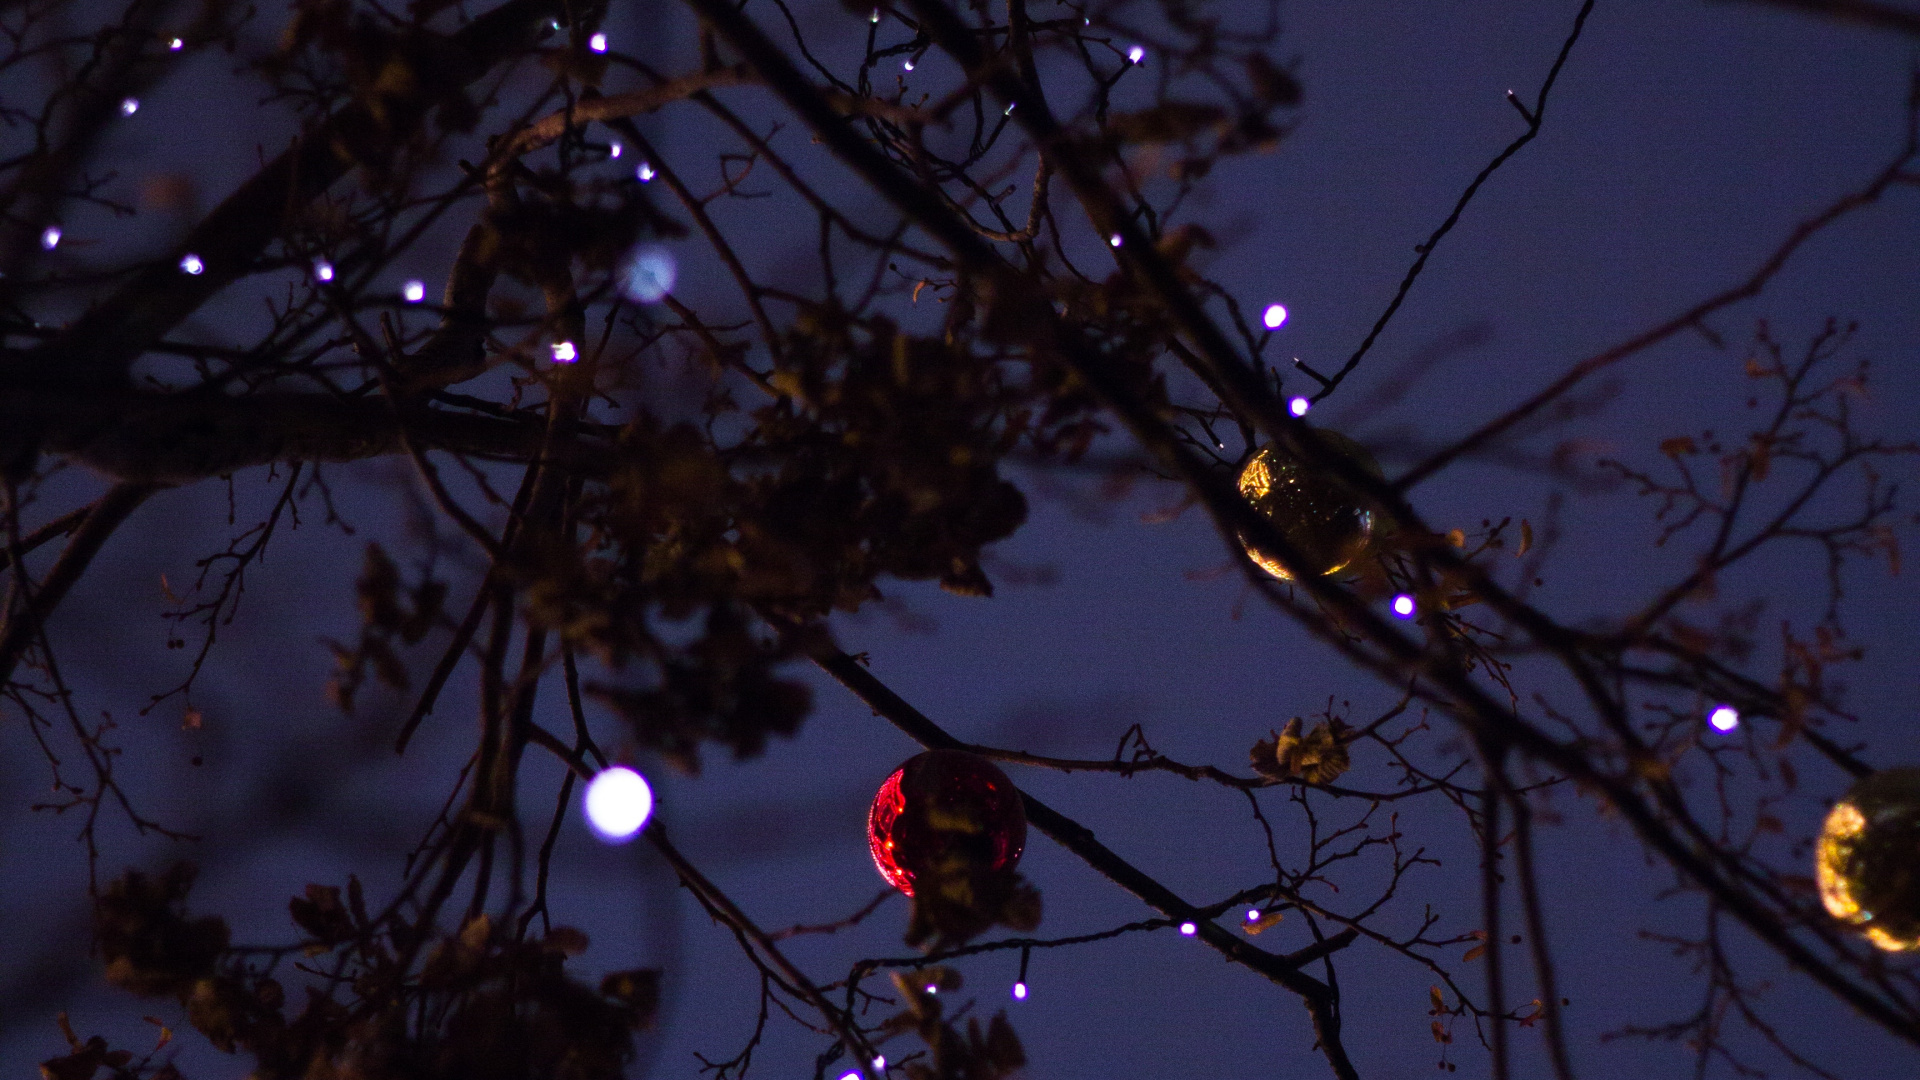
[(1724, 719), (1318, 516), (1867, 862), (618, 803)]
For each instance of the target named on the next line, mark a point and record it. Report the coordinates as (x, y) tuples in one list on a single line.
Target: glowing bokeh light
[(1724, 718), (648, 275), (1253, 914), (618, 803), (880, 1062), (50, 238), (1275, 316), (1403, 606), (191, 263), (1115, 240), (414, 291), (1299, 406), (176, 45), (1019, 991), (875, 17), (1189, 929), (323, 270), (907, 63), (129, 106), (1009, 111), (615, 151), (644, 173), (598, 43), (564, 352), (1136, 55)]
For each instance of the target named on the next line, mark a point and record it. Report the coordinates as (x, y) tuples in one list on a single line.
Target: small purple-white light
[(907, 63), (176, 45), (618, 803), (1115, 240), (880, 1062), (1724, 719), (616, 150), (1275, 316), (598, 43), (644, 173), (414, 291), (1403, 606), (1253, 914), (191, 264), (129, 106), (1009, 111), (323, 270), (875, 17), (1019, 991), (50, 237), (564, 352), (1189, 929), (1136, 54), (1299, 406)]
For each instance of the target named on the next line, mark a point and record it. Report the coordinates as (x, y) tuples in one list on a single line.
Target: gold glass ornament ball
[(1868, 859), (1314, 512)]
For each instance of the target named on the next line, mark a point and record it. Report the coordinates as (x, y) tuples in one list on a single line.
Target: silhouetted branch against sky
[(441, 444)]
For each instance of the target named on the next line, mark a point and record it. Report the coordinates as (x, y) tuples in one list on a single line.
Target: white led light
[(50, 239), (1136, 54), (1019, 991), (191, 263), (323, 270), (615, 150), (907, 63), (875, 17), (933, 988), (648, 275), (1189, 929), (598, 43), (644, 173), (1299, 406), (1403, 606), (1275, 316), (129, 106), (564, 352), (880, 1062), (1115, 240), (1253, 914), (413, 292), (1724, 718), (618, 803), (176, 45)]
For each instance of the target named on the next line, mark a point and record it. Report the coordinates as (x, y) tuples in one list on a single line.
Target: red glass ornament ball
[(943, 806)]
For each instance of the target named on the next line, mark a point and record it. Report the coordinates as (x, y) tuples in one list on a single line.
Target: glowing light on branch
[(1724, 719), (564, 352), (323, 270), (129, 106), (1275, 316), (1019, 991), (1299, 406), (1403, 606), (414, 291), (176, 45), (644, 173), (1189, 929), (1136, 55), (618, 803), (50, 238), (598, 43), (191, 264)]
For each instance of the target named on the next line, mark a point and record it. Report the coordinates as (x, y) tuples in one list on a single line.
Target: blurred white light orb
[(564, 352), (598, 43), (1019, 991), (907, 63), (1403, 606), (648, 275), (618, 803), (129, 106), (644, 173), (1724, 719), (176, 45), (1253, 914), (191, 263), (875, 17), (1116, 240), (414, 291), (615, 150), (50, 238), (1136, 55), (1299, 406), (1189, 929), (323, 270), (1275, 316)]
